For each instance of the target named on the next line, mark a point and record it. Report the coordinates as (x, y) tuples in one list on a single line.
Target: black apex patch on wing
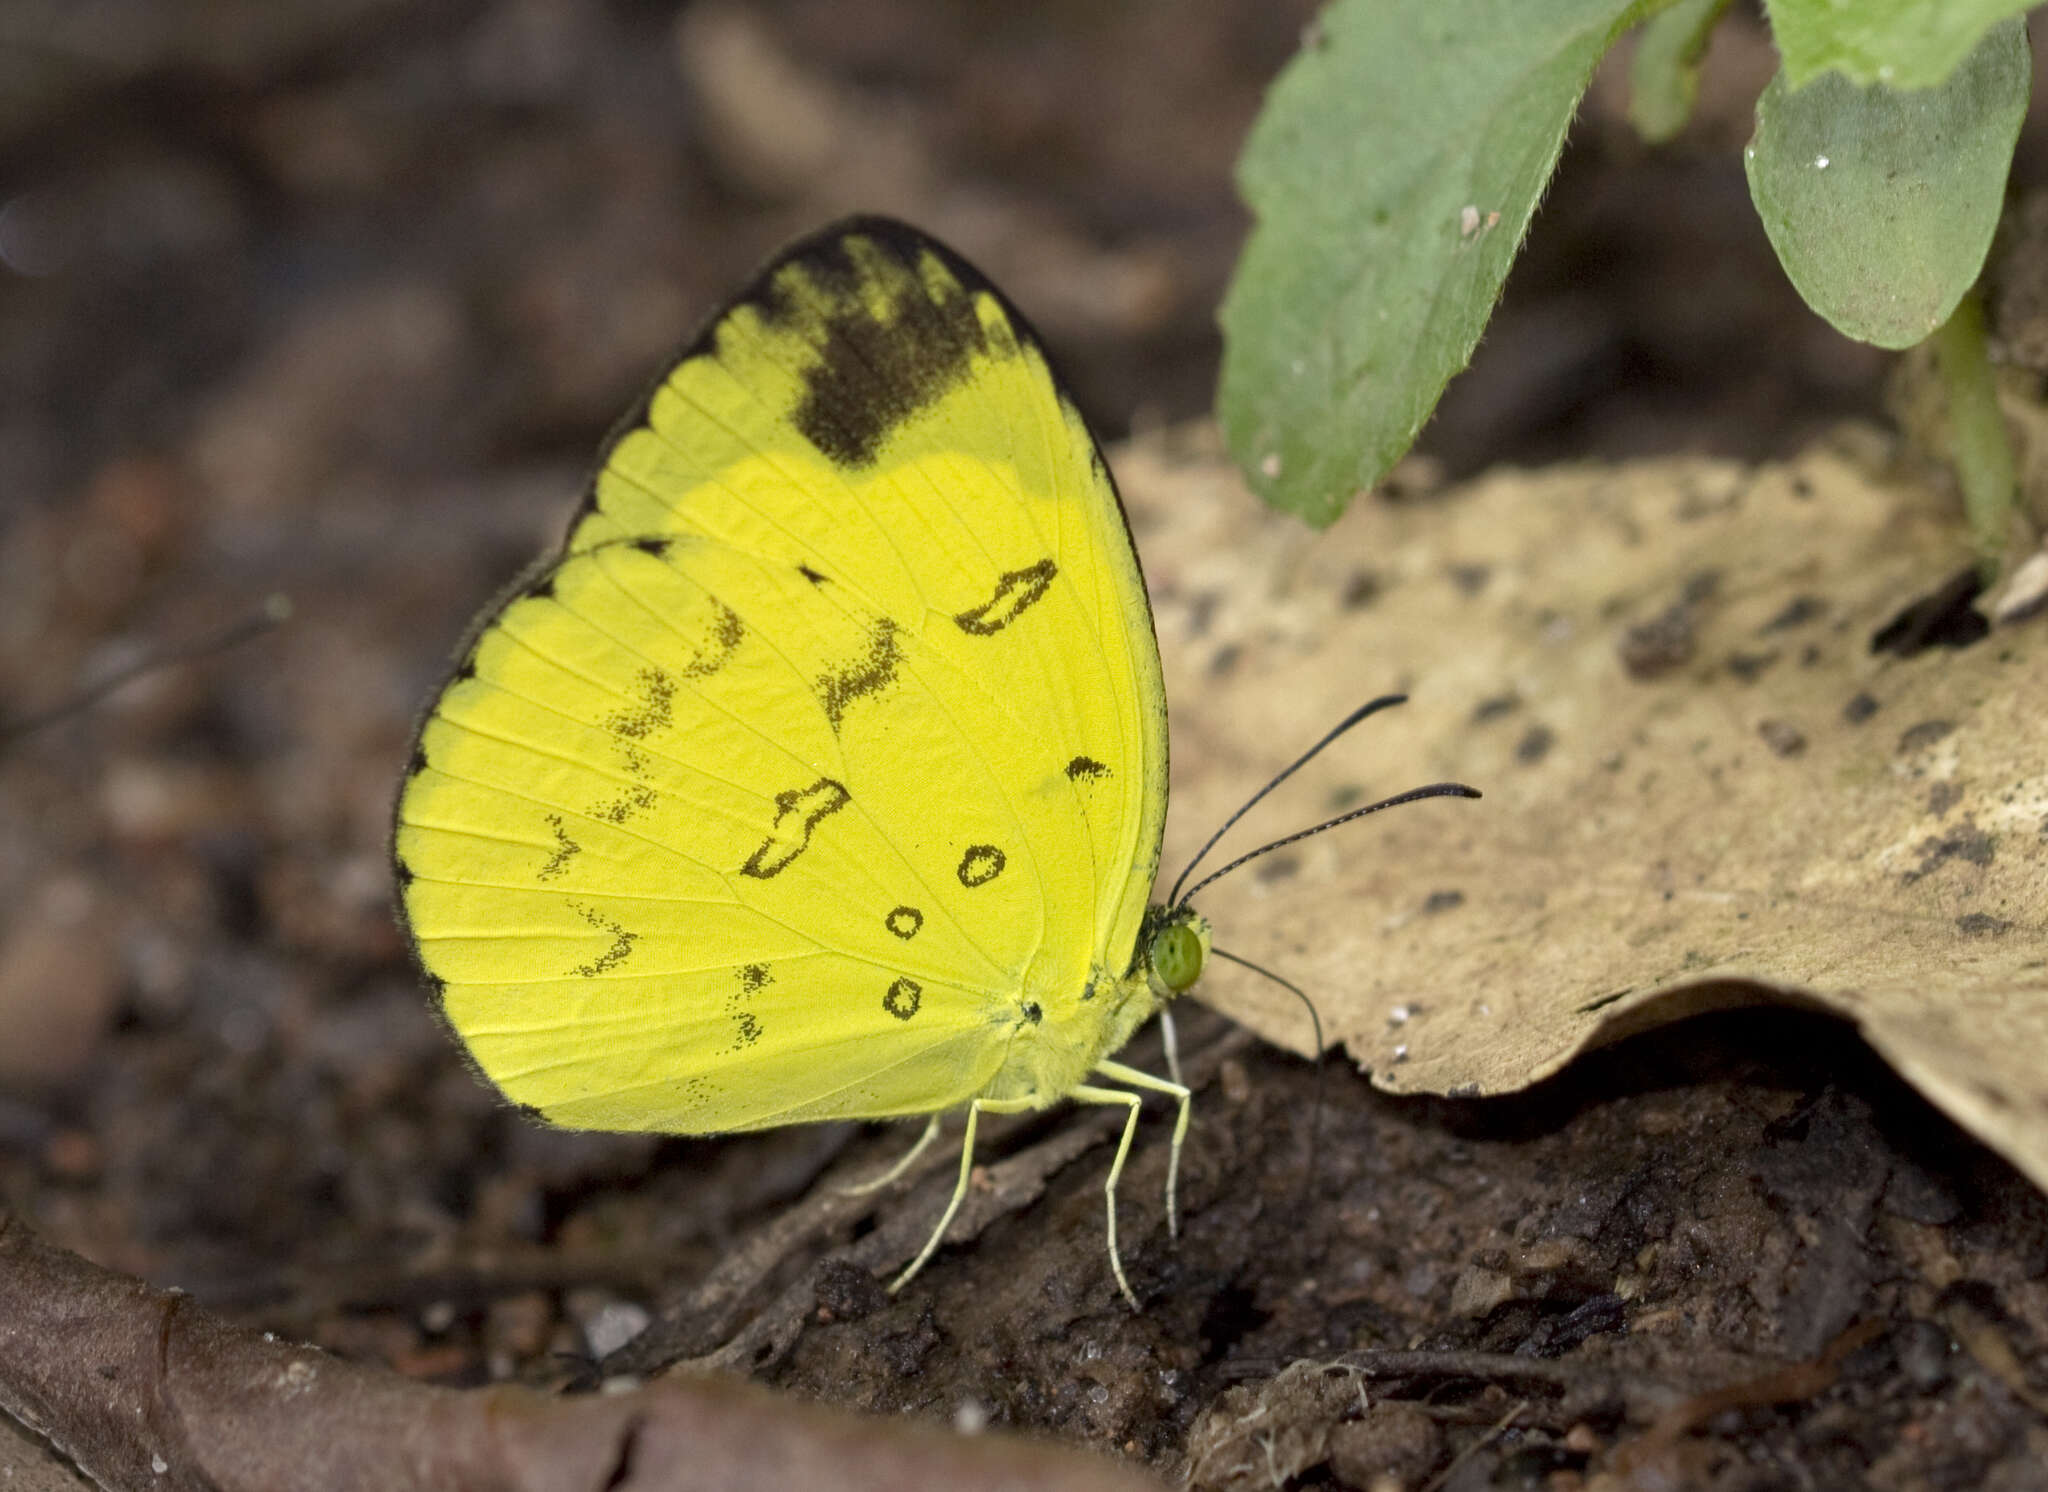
[(873, 373)]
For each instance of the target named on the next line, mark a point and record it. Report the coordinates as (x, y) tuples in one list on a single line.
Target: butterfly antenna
[(1371, 707), (1315, 1111), (1413, 795), (274, 610)]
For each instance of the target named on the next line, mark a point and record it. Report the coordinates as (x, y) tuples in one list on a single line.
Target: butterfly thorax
[(1053, 1050)]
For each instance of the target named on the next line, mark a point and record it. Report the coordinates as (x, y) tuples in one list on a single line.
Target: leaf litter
[(1704, 786)]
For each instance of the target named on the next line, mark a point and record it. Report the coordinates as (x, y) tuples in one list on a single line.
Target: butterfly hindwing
[(831, 748)]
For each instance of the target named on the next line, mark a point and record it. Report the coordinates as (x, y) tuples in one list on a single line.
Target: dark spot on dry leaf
[(1442, 901), (1982, 925), (1925, 734), (1802, 488), (1941, 618), (1470, 579), (1535, 745), (1360, 591), (1966, 842), (1278, 867), (1782, 736), (1495, 707), (1224, 660), (1667, 641), (1942, 797), (1796, 613), (1860, 708), (1749, 667)]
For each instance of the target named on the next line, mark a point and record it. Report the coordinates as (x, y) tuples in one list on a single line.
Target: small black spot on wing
[(981, 864), (745, 1024), (815, 577), (657, 547), (565, 850), (403, 872), (622, 808), (797, 812), (651, 712), (653, 709), (1016, 592), (903, 998), (904, 922), (1086, 769), (871, 673), (719, 646), (621, 946), (417, 762)]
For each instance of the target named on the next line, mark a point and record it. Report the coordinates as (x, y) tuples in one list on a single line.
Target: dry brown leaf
[(1702, 786)]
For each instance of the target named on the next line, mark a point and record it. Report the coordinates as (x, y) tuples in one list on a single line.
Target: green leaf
[(1901, 43), (1392, 174), (1881, 203), (1664, 76)]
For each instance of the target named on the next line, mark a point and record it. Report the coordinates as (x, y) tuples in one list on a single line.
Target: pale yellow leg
[(862, 1188), (1088, 1094), (974, 1113), (1169, 1038), (1181, 1094)]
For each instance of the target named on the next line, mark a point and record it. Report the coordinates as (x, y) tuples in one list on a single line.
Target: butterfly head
[(1175, 947)]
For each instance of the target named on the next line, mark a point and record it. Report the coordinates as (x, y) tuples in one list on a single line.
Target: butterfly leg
[(974, 1113), (1089, 1094), (1169, 1039), (1181, 1094), (876, 1183)]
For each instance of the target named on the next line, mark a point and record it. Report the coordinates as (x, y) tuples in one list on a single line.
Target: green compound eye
[(1178, 953)]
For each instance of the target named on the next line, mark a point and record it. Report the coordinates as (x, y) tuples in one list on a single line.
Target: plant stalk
[(1978, 442)]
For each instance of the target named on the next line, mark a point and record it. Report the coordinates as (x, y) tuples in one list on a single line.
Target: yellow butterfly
[(822, 774)]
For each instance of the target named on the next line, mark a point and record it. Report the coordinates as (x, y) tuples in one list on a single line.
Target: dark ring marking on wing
[(566, 849), (1086, 768), (981, 864), (797, 813), (1016, 592), (869, 674), (622, 941), (904, 922), (903, 998)]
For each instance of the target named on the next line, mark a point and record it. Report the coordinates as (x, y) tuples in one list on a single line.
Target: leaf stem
[(1980, 448)]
